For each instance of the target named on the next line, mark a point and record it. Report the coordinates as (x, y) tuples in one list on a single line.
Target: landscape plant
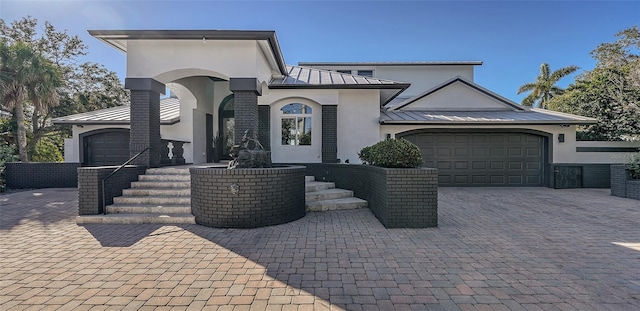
[(633, 166), (394, 153)]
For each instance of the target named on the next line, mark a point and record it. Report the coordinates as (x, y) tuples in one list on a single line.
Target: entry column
[(145, 120), (245, 106)]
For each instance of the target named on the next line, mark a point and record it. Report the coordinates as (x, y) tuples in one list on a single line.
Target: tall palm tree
[(26, 77), (544, 88)]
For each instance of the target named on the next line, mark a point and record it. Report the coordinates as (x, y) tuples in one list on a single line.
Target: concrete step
[(148, 209), (318, 185), (168, 171), (159, 200), (161, 184), (165, 219), (309, 178), (336, 204), (327, 194), (167, 177), (185, 192)]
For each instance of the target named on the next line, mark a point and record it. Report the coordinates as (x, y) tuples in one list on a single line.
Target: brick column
[(245, 106), (264, 126), (145, 120), (329, 133)]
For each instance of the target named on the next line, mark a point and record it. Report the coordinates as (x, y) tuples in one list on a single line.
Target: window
[(365, 73), (344, 71), (296, 125)]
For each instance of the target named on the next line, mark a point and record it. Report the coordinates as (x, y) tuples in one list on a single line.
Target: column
[(145, 120), (329, 133), (245, 106)]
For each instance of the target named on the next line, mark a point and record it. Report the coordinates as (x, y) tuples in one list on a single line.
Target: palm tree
[(26, 77), (544, 88)]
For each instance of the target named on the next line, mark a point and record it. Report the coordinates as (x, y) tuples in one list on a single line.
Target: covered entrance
[(483, 158)]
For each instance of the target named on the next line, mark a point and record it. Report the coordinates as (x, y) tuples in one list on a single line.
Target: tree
[(86, 86), (610, 92), (544, 88), (26, 76)]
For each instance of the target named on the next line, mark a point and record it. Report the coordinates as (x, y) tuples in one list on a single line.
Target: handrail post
[(104, 194)]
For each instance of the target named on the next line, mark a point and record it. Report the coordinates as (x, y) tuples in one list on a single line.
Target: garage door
[(106, 148), (483, 159)]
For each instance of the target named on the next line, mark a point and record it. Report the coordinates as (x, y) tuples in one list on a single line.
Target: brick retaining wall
[(622, 185), (398, 197), (264, 197), (90, 186), (36, 175)]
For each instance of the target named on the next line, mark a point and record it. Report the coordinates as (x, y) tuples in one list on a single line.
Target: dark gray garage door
[(483, 159), (106, 148)]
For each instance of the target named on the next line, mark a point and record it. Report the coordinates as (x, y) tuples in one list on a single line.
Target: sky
[(512, 38)]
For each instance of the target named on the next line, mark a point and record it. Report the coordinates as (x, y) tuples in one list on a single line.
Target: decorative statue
[(243, 157)]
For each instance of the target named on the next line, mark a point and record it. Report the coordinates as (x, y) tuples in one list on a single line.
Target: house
[(225, 82)]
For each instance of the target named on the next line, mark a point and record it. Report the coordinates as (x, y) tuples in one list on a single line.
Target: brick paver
[(495, 249)]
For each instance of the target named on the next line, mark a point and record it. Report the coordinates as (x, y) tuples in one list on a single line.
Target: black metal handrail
[(104, 194)]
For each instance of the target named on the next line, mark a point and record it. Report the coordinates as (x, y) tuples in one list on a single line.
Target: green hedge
[(397, 153)]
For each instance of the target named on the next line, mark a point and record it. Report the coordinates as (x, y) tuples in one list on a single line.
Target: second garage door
[(483, 159)]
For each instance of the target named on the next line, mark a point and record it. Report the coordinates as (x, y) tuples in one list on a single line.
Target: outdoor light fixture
[(561, 138), (204, 40)]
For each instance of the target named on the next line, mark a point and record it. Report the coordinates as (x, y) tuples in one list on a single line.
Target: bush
[(7, 154), (392, 153), (634, 166)]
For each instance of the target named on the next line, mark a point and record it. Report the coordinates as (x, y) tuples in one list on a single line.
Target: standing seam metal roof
[(120, 115), (311, 77)]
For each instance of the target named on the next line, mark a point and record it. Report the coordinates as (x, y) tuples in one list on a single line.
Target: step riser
[(114, 209), (152, 200), (106, 219), (314, 197), (156, 192), (164, 178), (318, 187), (335, 207), (157, 184), (167, 171)]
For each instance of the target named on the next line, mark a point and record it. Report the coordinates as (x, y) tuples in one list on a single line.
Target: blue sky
[(512, 38)]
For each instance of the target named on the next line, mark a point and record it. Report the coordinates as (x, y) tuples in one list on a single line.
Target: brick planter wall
[(576, 175), (622, 185), (398, 197), (264, 197), (38, 175), (90, 186)]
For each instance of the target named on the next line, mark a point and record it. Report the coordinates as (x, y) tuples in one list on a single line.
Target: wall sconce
[(204, 40), (388, 136), (561, 138)]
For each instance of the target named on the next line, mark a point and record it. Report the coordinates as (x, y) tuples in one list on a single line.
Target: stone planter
[(247, 197), (622, 185)]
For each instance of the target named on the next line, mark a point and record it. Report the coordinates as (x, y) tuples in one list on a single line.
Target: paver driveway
[(495, 249)]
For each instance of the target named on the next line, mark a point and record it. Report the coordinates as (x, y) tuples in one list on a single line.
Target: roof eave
[(398, 86), (101, 122), (110, 37), (356, 64), (409, 122)]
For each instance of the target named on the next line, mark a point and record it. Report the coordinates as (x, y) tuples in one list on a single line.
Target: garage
[(105, 147), (483, 158)]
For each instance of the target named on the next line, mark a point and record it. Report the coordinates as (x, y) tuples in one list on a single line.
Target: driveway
[(495, 249)]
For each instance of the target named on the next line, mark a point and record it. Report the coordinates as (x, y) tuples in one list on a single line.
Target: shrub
[(392, 153), (634, 166), (7, 154)]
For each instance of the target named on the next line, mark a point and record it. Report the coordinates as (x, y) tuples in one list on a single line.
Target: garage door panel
[(489, 159), (106, 148)]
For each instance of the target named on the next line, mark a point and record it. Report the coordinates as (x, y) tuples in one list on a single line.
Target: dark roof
[(424, 63), (312, 78), (117, 38), (531, 116), (169, 114)]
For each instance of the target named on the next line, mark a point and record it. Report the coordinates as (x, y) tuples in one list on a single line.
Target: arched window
[(296, 125)]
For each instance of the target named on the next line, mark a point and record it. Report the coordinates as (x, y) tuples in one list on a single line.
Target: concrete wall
[(218, 58)]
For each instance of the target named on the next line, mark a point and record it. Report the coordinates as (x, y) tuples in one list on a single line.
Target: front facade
[(224, 83)]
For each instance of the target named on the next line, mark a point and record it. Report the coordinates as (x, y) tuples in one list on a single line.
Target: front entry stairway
[(163, 196)]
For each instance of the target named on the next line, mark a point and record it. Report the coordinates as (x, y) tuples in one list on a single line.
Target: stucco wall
[(457, 96), (283, 153), (358, 122), (222, 58)]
